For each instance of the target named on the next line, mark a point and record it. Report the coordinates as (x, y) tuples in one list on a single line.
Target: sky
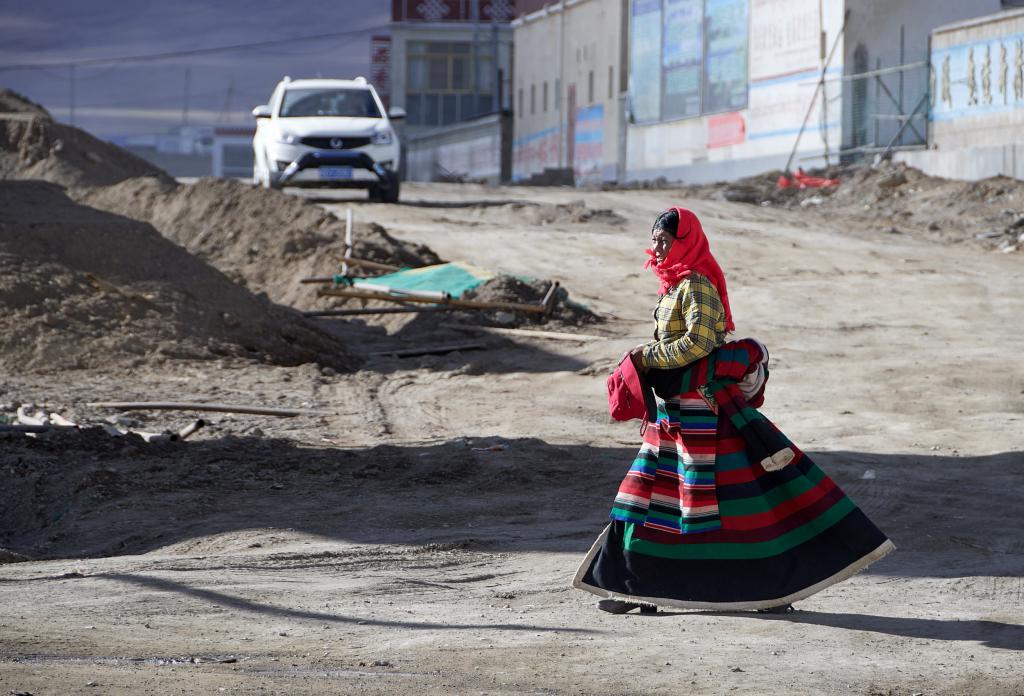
[(132, 98)]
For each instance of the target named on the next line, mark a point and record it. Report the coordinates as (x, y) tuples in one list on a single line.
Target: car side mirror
[(262, 111), (396, 113)]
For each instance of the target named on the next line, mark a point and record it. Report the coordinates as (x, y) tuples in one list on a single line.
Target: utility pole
[(474, 9), (495, 69), (184, 106), (226, 114), (71, 100), (560, 84)]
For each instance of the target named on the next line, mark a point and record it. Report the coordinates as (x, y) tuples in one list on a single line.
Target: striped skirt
[(697, 525)]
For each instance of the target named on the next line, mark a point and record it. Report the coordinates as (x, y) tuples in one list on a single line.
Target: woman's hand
[(635, 356)]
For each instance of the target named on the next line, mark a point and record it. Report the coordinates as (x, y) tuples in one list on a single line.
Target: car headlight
[(382, 137), (287, 138)]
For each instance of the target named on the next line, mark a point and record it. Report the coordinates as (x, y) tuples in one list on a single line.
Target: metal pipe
[(814, 98), (868, 73), (549, 298), (191, 428), (434, 295)]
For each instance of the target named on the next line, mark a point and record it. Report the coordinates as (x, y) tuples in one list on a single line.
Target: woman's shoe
[(617, 606), (781, 609)]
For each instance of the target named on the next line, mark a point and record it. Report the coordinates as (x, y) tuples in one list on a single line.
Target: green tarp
[(453, 278)]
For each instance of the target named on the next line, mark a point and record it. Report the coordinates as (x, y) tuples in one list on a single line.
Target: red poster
[(380, 67), (726, 129)]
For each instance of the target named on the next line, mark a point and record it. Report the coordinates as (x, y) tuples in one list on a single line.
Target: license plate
[(335, 173)]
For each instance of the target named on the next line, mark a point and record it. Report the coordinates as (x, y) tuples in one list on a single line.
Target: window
[(644, 59), (611, 82), (725, 55), (329, 102), (682, 55), (544, 98), (443, 85), (533, 99), (558, 93), (590, 87), (687, 58), (521, 112)]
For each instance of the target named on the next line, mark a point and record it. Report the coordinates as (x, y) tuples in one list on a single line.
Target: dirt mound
[(33, 146), (897, 198), (506, 288), (267, 240), (81, 288), (13, 103)]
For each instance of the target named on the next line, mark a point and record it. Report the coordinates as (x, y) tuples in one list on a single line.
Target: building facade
[(450, 60), (569, 90), (889, 41), (976, 110), (720, 89)]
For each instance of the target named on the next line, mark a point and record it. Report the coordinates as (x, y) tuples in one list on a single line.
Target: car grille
[(324, 143)]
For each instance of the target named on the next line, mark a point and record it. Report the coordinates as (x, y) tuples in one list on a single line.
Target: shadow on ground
[(481, 352), (85, 494), (993, 634), (223, 599)]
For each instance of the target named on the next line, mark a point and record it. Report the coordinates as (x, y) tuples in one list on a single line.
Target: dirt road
[(421, 540)]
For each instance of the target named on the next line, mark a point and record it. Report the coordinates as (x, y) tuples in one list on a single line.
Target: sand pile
[(506, 288), (267, 240), (82, 288), (33, 146), (897, 198)]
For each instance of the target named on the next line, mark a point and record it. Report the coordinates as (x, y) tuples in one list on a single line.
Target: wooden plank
[(430, 350), (193, 406)]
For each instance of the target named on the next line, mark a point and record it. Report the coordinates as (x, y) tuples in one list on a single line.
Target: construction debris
[(82, 288), (38, 422)]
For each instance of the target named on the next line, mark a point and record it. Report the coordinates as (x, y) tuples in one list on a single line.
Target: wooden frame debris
[(362, 294)]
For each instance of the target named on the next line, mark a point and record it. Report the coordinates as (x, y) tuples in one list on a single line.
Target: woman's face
[(661, 242)]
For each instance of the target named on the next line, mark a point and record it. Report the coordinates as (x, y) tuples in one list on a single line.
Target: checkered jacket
[(690, 324)]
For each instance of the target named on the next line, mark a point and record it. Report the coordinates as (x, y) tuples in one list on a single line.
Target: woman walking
[(718, 510)]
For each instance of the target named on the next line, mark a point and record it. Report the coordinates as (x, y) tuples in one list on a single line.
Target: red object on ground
[(800, 180)]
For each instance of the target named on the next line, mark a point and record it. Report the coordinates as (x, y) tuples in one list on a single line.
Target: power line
[(145, 57)]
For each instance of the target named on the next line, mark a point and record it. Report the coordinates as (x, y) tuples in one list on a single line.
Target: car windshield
[(329, 102)]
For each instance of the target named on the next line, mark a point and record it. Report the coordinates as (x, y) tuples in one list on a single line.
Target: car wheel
[(386, 194), (391, 193)]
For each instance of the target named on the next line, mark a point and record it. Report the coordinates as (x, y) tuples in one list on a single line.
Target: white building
[(720, 88), (569, 90)]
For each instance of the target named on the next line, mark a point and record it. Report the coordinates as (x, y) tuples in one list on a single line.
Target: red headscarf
[(690, 252)]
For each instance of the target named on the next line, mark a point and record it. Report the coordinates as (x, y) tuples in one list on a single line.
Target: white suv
[(327, 133)]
